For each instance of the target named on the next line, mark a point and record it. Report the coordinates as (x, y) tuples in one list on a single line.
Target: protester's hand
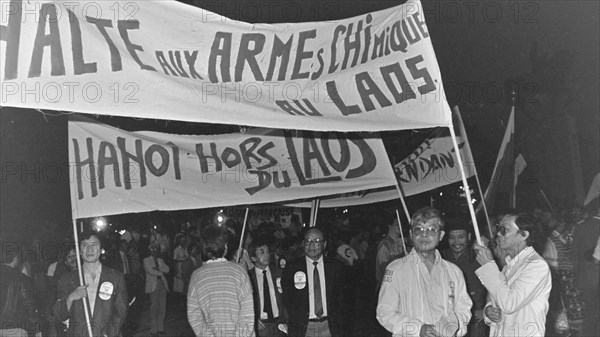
[(77, 294), (494, 314), (485, 241), (478, 315), (261, 325), (484, 254), (427, 330)]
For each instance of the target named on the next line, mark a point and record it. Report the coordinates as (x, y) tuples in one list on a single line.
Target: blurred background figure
[(157, 288), (20, 313), (67, 263), (460, 252)]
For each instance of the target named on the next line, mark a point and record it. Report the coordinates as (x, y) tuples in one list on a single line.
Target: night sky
[(483, 49)]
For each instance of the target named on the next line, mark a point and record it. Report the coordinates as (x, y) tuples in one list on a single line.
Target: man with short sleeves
[(421, 293)]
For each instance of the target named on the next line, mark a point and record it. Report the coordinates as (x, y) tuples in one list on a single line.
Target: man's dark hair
[(86, 235), (536, 238), (258, 242), (424, 214), (214, 239)]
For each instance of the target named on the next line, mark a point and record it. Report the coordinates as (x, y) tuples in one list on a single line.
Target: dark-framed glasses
[(501, 230), (310, 242), (420, 231)]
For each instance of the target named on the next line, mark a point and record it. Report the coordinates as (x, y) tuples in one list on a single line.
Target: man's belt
[(272, 320), (318, 320)]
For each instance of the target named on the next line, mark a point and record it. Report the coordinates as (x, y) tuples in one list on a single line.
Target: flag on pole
[(468, 160), (594, 190), (520, 165), (466, 153), (501, 187)]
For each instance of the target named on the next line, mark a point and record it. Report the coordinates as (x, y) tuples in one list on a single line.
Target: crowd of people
[(532, 274)]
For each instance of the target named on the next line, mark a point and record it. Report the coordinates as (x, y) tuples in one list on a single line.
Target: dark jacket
[(585, 237), (468, 264), (17, 300), (276, 274), (109, 314), (296, 300)]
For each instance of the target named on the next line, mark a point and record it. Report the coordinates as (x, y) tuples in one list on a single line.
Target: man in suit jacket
[(269, 311), (313, 291), (105, 289)]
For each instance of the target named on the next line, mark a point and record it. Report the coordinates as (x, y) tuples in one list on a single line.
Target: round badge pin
[(300, 280), (106, 290)]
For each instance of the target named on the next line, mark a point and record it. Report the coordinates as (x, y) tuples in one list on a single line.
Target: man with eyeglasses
[(423, 294), (313, 291), (519, 293)]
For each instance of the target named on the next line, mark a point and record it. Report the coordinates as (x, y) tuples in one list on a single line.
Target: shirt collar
[(416, 256), (259, 271), (221, 259), (95, 271), (522, 254), (310, 261)]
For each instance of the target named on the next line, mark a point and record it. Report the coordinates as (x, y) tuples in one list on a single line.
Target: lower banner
[(114, 171), (432, 165)]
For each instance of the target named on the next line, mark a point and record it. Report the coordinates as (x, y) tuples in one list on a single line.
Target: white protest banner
[(432, 165), (169, 60), (114, 171)]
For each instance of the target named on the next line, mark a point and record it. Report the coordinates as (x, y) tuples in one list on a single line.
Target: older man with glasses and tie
[(421, 293), (313, 291)]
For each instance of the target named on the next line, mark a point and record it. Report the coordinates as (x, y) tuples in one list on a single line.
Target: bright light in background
[(220, 217), (121, 232), (99, 224)]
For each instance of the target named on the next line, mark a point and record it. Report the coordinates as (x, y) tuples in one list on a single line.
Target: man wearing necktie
[(313, 291), (266, 283)]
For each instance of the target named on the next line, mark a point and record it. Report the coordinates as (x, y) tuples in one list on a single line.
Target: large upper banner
[(168, 60), (114, 171)]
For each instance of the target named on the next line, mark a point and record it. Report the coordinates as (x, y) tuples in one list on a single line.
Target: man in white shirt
[(421, 293), (519, 294), (266, 283)]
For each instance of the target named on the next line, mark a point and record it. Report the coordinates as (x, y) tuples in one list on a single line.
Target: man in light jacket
[(519, 293), (421, 293)]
